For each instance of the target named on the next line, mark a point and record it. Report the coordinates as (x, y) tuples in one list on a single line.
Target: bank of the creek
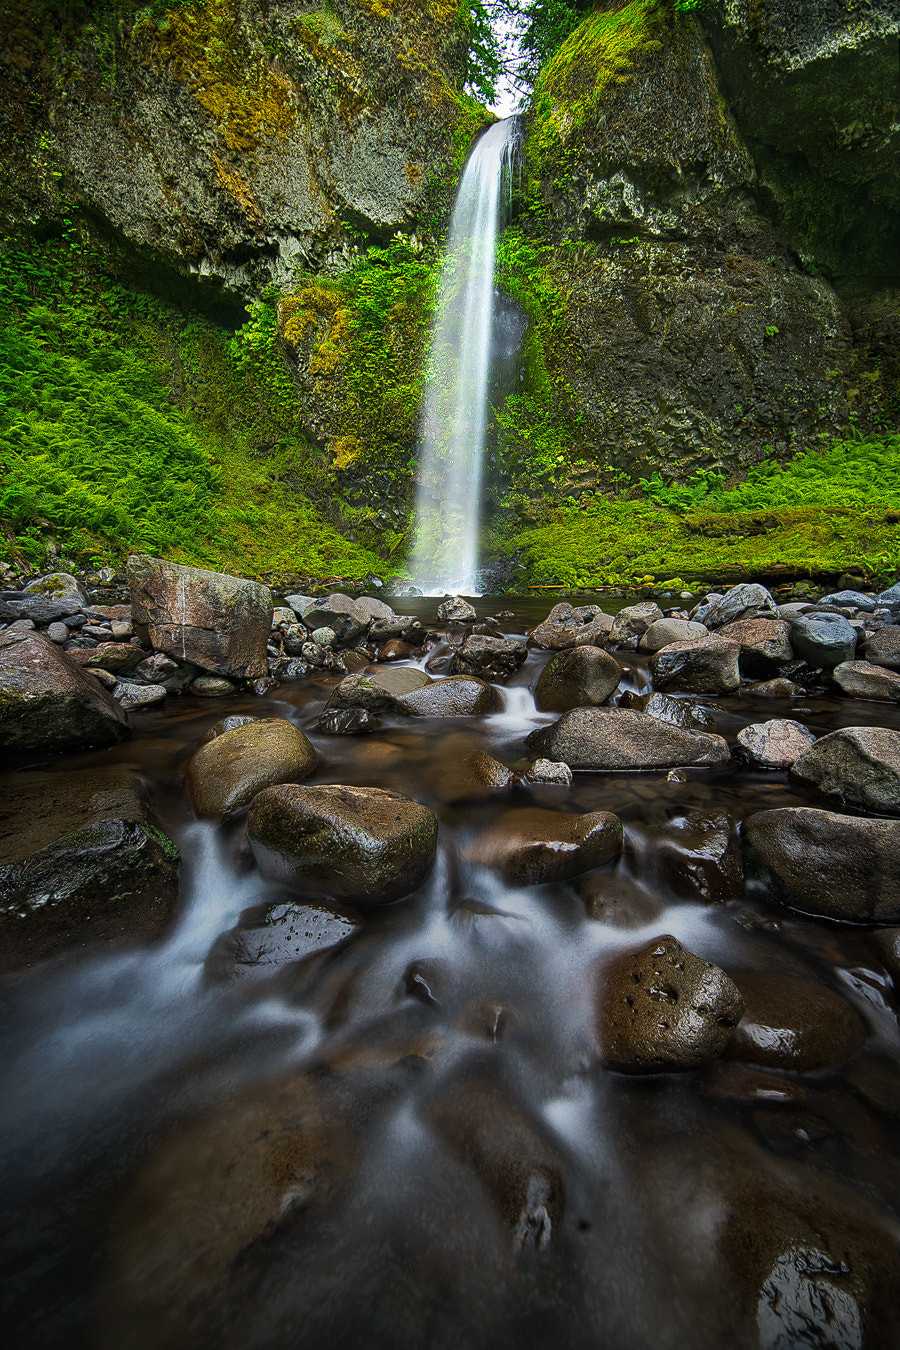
[(292, 1125)]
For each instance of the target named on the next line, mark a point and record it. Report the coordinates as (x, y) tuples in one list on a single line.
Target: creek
[(421, 1104)]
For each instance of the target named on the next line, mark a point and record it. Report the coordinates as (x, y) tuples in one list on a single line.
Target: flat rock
[(662, 1009), (699, 857), (823, 639), (217, 622), (227, 772), (134, 696), (378, 691), (490, 658), (474, 777), (748, 600), (793, 1022), (47, 702), (632, 622), (354, 844), (709, 665), (530, 845), (857, 767), (665, 631), (617, 738), (568, 626), (774, 745), (457, 696), (824, 863), (579, 677), (883, 647), (765, 644), (861, 679)]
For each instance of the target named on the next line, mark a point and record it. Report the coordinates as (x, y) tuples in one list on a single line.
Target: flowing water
[(448, 497), (406, 1138)]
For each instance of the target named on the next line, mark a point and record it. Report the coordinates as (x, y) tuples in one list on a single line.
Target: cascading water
[(448, 499)]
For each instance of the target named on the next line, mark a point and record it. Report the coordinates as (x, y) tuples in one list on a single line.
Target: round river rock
[(228, 772), (577, 678)]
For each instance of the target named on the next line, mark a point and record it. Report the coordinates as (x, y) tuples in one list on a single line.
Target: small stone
[(456, 610), (395, 650), (58, 632), (122, 632), (118, 657), (342, 615), (323, 637), (134, 696), (849, 599), (104, 677), (777, 688), (211, 686), (677, 711), (774, 745), (476, 776), (547, 771)]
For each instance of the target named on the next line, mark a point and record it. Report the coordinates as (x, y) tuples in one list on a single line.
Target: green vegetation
[(126, 424)]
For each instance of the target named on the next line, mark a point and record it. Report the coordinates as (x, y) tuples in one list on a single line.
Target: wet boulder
[(577, 678), (47, 702), (793, 1022), (475, 776), (119, 658), (56, 586), (823, 639), (568, 626), (227, 772), (859, 600), (348, 722), (748, 600), (700, 857), (42, 610), (678, 712), (457, 696), (823, 863), (285, 933), (857, 767), (883, 647), (662, 1010), (347, 620), (709, 665), (665, 631), (774, 745), (632, 622), (618, 738), (354, 844), (456, 610), (112, 878), (765, 644), (378, 691), (619, 901), (531, 845), (860, 679), (377, 608), (217, 622), (490, 658)]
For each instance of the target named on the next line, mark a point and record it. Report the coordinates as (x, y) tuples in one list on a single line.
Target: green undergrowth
[(823, 512), (128, 424)]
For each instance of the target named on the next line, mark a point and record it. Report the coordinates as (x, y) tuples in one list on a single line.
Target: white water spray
[(448, 498)]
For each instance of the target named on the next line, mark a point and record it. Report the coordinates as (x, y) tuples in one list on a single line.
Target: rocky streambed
[(464, 976)]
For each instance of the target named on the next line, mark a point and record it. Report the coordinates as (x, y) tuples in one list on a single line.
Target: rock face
[(709, 665), (112, 879), (579, 678), (662, 1010), (214, 621), (820, 862), (857, 767), (359, 845), (228, 772), (792, 1022), (617, 738), (47, 702), (531, 845)]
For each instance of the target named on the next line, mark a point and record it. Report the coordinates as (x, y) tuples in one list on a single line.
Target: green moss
[(170, 849)]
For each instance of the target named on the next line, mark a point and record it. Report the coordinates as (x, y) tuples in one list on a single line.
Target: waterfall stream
[(448, 499)]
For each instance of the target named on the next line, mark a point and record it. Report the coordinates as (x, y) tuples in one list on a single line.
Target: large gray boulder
[(709, 665), (861, 679), (359, 845), (457, 696), (490, 658), (346, 619), (47, 702), (531, 845), (577, 678), (857, 767), (228, 772), (665, 631), (748, 600), (217, 622), (823, 639), (379, 691), (883, 647), (619, 738), (823, 863), (774, 745)]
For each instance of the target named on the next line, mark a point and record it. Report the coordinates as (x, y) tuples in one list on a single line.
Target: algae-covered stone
[(47, 702), (531, 845), (379, 691), (580, 677), (228, 772)]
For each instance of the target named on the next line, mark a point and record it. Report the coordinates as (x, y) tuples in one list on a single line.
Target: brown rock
[(709, 665), (765, 644), (47, 702), (566, 626), (531, 845), (774, 745), (228, 771), (793, 1022), (579, 677), (377, 691), (861, 679), (700, 857)]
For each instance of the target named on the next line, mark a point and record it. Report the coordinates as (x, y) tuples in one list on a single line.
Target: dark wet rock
[(547, 772), (110, 879), (883, 647), (678, 712), (774, 745), (360, 845), (383, 630), (577, 678), (777, 688), (732, 1082), (567, 626), (395, 650), (174, 676), (456, 610), (765, 644), (476, 776), (133, 697), (793, 1022), (616, 738), (41, 806), (490, 658), (511, 1154), (118, 658), (216, 622), (377, 608), (531, 845), (228, 771), (632, 622), (857, 767), (662, 1009), (41, 610), (295, 638), (211, 686), (379, 691), (458, 696), (47, 702), (886, 945), (745, 601), (823, 863), (288, 933), (229, 723), (619, 901), (861, 679), (709, 665), (700, 857), (348, 722), (665, 631), (850, 600), (346, 619), (823, 640)]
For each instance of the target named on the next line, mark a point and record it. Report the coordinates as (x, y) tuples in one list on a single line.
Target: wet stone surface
[(384, 1075)]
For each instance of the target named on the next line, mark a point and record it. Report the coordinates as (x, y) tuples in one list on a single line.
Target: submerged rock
[(618, 738), (793, 1022), (531, 845), (348, 722), (662, 1009), (211, 686), (581, 677), (678, 712), (857, 767), (228, 772), (354, 844), (47, 702), (288, 933), (700, 857)]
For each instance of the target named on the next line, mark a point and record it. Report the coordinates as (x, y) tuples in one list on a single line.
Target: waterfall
[(448, 496)]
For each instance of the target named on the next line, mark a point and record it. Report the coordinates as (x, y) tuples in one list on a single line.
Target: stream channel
[(405, 1137)]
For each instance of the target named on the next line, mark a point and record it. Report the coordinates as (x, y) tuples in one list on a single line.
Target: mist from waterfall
[(449, 489)]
